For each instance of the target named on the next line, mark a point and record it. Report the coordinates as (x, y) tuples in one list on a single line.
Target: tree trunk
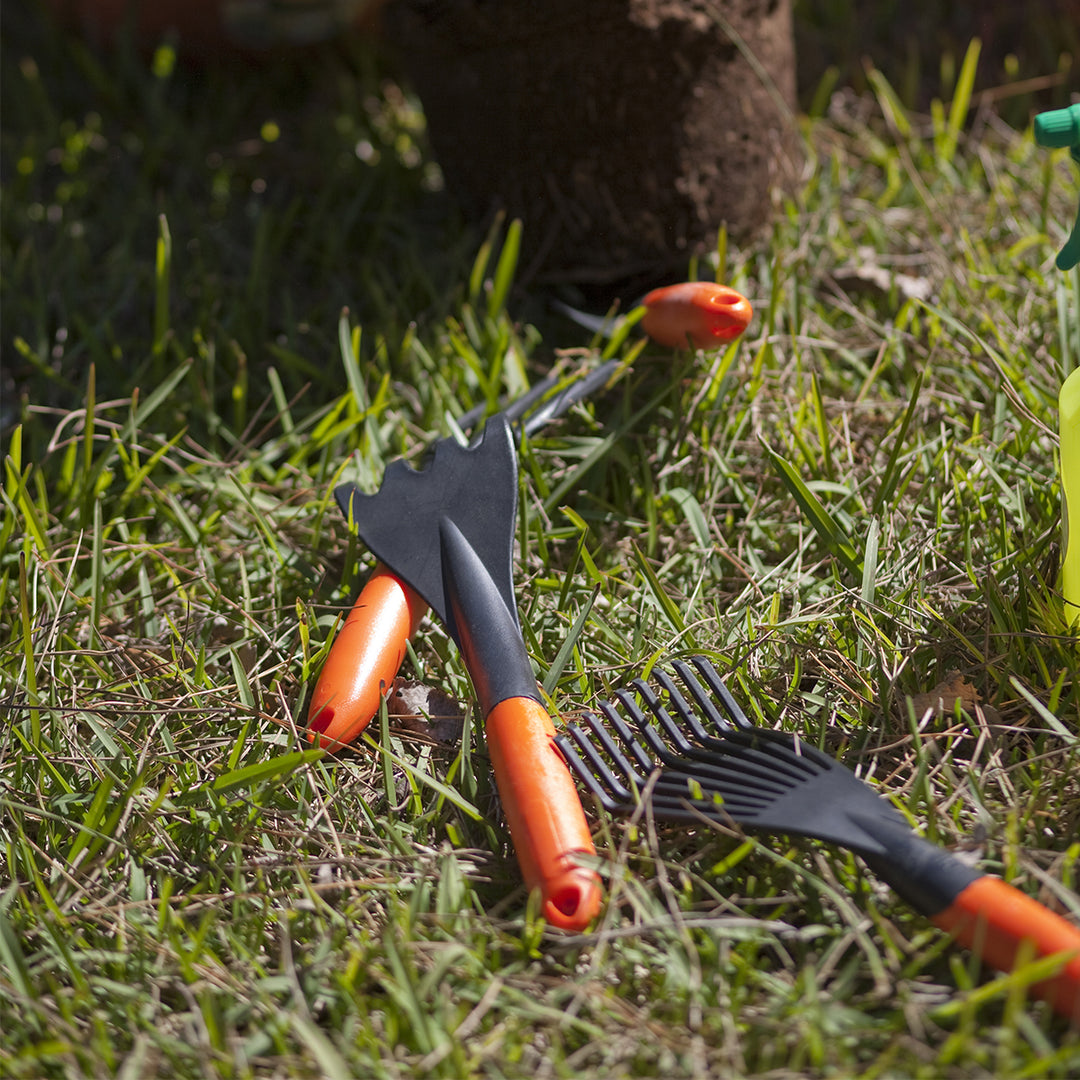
[(623, 132)]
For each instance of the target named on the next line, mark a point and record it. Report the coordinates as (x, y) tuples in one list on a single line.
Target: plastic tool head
[(1061, 128), (474, 487), (765, 781), (690, 754), (447, 532), (702, 313)]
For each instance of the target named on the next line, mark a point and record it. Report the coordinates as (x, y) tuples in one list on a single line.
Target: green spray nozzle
[(1058, 128)]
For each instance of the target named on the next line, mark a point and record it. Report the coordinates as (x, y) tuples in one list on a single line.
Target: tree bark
[(622, 132)]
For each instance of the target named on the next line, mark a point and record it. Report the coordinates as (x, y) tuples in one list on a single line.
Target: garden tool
[(446, 533), (701, 314), (696, 757), (1059, 128), (370, 647)]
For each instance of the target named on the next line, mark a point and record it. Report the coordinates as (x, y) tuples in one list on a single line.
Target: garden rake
[(692, 755)]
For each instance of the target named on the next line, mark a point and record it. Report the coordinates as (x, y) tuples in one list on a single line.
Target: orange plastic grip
[(993, 919), (543, 809), (364, 660), (701, 312)]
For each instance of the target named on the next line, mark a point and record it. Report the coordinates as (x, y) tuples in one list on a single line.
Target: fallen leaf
[(425, 711), (868, 275), (944, 697)]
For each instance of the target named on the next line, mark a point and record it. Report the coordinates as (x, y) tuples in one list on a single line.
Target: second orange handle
[(994, 919), (543, 809), (364, 660)]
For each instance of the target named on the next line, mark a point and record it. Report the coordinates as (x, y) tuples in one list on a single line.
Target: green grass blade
[(891, 475), (260, 772), (505, 269), (349, 345), (667, 605), (331, 1064), (961, 103), (92, 820), (12, 957), (162, 269), (483, 259), (425, 779), (824, 524), (566, 649)]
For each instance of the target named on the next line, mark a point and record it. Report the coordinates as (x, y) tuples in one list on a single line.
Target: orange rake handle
[(364, 660), (994, 920), (544, 812)]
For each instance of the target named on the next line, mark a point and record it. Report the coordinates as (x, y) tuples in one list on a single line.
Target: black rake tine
[(582, 388), (674, 768), (602, 781), (685, 710), (719, 692), (731, 777), (578, 388), (734, 756), (648, 732), (596, 776), (671, 791), (671, 794), (656, 707), (611, 748)]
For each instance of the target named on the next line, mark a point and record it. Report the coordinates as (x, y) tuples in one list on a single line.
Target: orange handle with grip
[(699, 313), (544, 812), (993, 918), (364, 660)]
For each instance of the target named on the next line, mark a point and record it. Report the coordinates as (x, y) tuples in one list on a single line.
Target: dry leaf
[(426, 711), (866, 274), (943, 698)]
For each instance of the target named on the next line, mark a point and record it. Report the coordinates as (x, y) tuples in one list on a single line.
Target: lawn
[(224, 290)]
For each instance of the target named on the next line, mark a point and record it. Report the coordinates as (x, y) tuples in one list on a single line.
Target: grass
[(842, 509)]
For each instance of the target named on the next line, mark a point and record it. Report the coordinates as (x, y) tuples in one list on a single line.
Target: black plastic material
[(559, 403), (928, 877), (484, 628), (447, 530), (544, 401), (763, 781), (475, 487)]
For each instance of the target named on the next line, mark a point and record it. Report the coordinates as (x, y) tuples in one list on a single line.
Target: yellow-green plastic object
[(1061, 128), (1069, 421)]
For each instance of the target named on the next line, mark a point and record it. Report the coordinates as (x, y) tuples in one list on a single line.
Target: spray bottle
[(1060, 128)]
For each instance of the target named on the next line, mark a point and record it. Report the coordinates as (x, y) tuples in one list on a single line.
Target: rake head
[(689, 749), (690, 754)]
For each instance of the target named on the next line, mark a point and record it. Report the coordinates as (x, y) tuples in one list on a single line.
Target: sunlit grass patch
[(844, 509)]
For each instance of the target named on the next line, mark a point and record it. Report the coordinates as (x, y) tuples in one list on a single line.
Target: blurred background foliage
[(302, 183), (1030, 57)]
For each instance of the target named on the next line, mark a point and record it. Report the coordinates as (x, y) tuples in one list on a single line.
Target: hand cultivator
[(370, 647), (444, 538)]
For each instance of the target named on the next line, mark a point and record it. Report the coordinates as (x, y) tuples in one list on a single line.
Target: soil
[(622, 132)]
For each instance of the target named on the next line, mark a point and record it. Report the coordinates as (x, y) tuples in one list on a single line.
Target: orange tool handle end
[(547, 822), (364, 660), (993, 919), (702, 313)]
